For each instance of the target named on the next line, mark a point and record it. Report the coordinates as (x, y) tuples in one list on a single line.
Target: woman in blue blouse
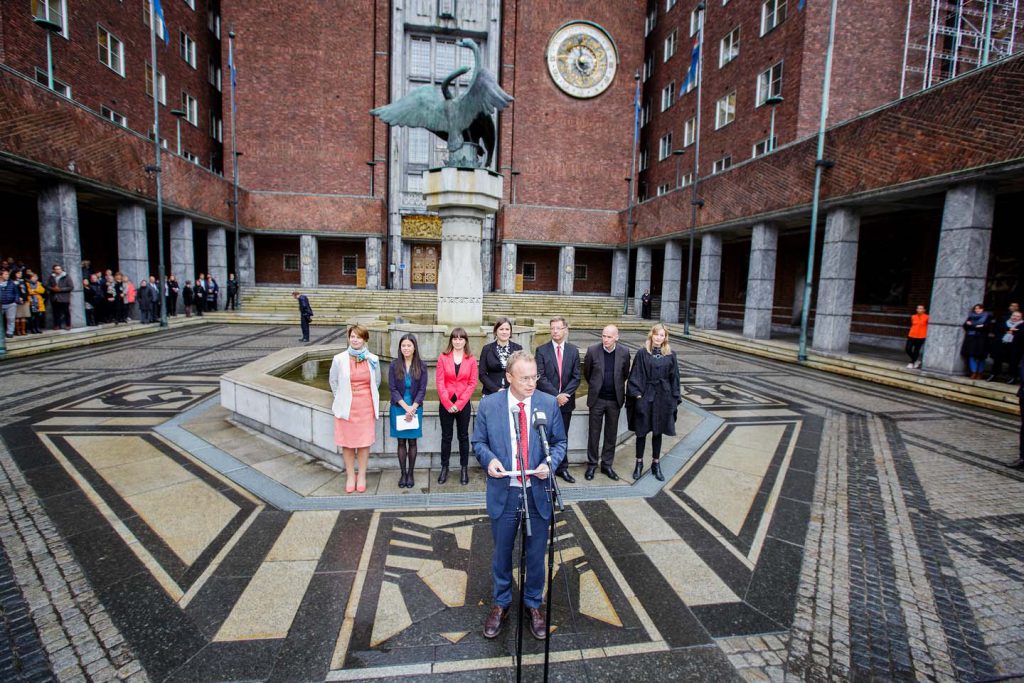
[(407, 379)]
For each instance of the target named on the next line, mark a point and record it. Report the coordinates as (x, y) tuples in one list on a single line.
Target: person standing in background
[(558, 374), (305, 314), (916, 336)]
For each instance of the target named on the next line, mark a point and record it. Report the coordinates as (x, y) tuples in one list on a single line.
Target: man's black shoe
[(609, 472), (564, 474), (589, 475)]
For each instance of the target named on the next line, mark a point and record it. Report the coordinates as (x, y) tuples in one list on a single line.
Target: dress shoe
[(589, 475), (402, 479), (638, 471), (464, 479), (538, 626), (442, 477), (495, 621), (656, 470), (609, 472), (564, 474)]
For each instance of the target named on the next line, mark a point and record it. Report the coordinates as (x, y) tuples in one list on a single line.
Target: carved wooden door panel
[(424, 265)]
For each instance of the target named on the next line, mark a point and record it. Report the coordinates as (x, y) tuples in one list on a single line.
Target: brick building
[(327, 192)]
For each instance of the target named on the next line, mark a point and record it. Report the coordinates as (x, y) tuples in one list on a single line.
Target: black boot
[(465, 476), (443, 476), (401, 462), (410, 481), (656, 469), (638, 471)]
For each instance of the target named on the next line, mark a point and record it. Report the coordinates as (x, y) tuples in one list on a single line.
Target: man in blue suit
[(496, 447)]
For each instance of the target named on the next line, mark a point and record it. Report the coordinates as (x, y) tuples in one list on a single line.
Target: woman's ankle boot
[(443, 476), (656, 470), (465, 476), (638, 471)]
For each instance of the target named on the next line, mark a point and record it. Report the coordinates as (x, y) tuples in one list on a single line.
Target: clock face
[(582, 59)]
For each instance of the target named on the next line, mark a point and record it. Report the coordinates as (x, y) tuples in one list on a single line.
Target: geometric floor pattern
[(821, 529)]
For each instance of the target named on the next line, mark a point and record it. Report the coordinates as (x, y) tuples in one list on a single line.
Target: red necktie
[(558, 355), (524, 441)]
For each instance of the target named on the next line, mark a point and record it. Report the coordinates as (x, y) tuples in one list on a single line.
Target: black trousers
[(448, 421), (604, 416), (172, 304), (305, 328), (232, 302), (1020, 400), (566, 419), (61, 314), (914, 348)]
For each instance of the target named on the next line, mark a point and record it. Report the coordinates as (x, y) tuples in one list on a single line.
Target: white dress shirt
[(514, 402)]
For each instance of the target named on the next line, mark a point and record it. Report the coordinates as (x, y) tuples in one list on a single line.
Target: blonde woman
[(355, 378), (653, 389)]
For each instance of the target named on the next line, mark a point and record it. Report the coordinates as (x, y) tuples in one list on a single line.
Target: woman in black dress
[(494, 356), (653, 390)]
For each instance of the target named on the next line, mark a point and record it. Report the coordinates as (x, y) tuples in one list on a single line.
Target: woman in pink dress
[(355, 376)]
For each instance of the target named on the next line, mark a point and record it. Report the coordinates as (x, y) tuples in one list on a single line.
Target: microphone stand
[(525, 531), (554, 498)]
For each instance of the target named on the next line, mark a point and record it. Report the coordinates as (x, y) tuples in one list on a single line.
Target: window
[(694, 22), (190, 156), (689, 131), (119, 119), (764, 146), (212, 22), (216, 127), (187, 49), (214, 74), (670, 45), (291, 262), (161, 81), (686, 179), (163, 141), (643, 159), (725, 110), (721, 164), (729, 47), (665, 146), (190, 106), (111, 50), (668, 95), (662, 189), (769, 84), (642, 194), (580, 271), (529, 271), (59, 87), (648, 67), (651, 21), (773, 13), (349, 265), (645, 113), (52, 10), (669, 4), (145, 18)]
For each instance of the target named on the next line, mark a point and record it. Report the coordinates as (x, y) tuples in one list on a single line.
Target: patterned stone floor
[(812, 528)]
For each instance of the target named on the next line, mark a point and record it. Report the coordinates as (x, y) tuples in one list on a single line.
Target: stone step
[(56, 340)]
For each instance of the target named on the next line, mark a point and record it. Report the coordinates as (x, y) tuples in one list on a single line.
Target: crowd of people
[(986, 337), (109, 297)]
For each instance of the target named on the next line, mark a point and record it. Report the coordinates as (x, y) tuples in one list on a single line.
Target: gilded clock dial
[(582, 59)]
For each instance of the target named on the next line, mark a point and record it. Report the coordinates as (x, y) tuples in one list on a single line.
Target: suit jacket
[(593, 370), (492, 438), (448, 384), (492, 375), (547, 372), (305, 310)]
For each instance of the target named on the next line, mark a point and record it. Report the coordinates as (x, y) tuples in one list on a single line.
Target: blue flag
[(636, 113), (800, 5), (159, 12), (691, 74)]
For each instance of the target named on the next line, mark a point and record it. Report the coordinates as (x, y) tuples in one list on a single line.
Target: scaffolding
[(945, 38)]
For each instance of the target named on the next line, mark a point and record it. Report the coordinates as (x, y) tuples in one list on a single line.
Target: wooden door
[(424, 265)]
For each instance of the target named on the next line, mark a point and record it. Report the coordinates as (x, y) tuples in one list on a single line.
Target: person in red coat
[(457, 375)]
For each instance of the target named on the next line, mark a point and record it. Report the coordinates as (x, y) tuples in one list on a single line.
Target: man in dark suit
[(305, 314), (496, 446), (606, 367), (558, 374)]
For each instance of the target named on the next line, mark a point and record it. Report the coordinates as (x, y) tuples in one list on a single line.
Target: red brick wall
[(332, 252), (547, 268), (599, 271), (270, 259)]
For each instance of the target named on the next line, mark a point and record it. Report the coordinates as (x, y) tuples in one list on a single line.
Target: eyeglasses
[(532, 379)]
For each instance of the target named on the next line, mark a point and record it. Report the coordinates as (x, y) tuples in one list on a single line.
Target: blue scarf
[(363, 355)]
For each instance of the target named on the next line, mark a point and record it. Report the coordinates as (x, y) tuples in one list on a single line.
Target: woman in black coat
[(186, 298), (975, 348), (494, 356), (653, 390)]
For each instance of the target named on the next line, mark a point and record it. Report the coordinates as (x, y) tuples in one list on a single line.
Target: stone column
[(709, 281), (487, 254), (59, 242), (246, 261), (757, 315), (508, 267), (217, 260), (671, 276), (961, 270), (309, 262), (566, 269), (643, 276), (183, 257), (620, 273), (373, 263), (833, 311), (132, 242)]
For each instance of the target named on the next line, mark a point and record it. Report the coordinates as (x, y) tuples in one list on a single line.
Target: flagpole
[(819, 166), (695, 202), (632, 185), (157, 170), (234, 156)]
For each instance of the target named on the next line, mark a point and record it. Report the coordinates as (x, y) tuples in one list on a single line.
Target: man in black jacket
[(558, 374), (606, 367), (305, 314), (232, 301)]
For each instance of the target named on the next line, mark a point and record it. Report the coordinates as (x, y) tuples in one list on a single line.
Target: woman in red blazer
[(456, 379)]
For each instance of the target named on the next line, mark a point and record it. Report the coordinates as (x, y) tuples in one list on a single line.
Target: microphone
[(540, 423)]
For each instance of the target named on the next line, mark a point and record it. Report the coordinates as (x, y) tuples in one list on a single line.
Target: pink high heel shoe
[(350, 486)]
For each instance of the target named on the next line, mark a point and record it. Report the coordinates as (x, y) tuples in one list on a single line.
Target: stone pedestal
[(620, 273), (487, 254), (59, 241), (709, 281), (566, 269), (373, 263), (833, 311), (508, 267), (462, 197), (246, 261), (217, 260), (309, 262), (643, 276), (961, 269), (757, 315), (671, 276), (132, 242)]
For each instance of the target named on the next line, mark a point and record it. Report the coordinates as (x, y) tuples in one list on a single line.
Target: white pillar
[(246, 274), (508, 267), (309, 262), (566, 269), (757, 315), (59, 241), (672, 273), (833, 311), (373, 263), (217, 259), (643, 276), (620, 272), (709, 281)]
